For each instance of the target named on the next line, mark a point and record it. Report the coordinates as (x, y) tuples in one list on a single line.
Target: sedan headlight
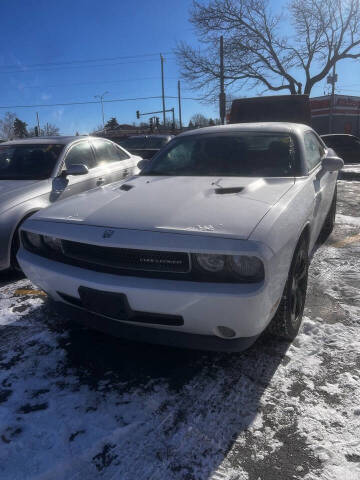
[(229, 268)]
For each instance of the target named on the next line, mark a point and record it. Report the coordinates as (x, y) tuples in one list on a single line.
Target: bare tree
[(7, 126), (49, 130), (199, 120), (258, 53)]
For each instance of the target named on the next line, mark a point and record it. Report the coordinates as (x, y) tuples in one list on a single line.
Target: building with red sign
[(345, 114)]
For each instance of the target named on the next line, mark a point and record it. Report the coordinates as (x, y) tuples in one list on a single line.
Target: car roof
[(281, 127), (151, 136), (338, 135), (60, 140)]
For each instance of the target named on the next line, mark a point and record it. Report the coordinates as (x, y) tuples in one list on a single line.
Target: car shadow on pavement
[(152, 411), (209, 398)]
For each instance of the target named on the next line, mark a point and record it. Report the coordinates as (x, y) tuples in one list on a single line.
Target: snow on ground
[(76, 404), (348, 220)]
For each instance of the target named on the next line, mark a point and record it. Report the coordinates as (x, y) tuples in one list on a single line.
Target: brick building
[(346, 114)]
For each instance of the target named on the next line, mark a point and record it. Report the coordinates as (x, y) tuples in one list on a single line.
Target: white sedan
[(205, 248)]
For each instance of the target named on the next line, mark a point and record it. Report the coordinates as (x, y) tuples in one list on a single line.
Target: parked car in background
[(36, 172), (346, 146), (205, 248), (145, 145)]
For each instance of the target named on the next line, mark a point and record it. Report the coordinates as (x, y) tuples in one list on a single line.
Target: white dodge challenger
[(206, 248)]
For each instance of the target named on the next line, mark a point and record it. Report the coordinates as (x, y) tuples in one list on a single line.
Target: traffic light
[(151, 122), (36, 131), (137, 114), (157, 122)]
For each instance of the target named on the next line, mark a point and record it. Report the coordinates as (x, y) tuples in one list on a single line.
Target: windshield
[(28, 162), (249, 154), (144, 142)]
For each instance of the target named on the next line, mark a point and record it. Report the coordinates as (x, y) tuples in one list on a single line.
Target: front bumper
[(152, 335), (245, 308)]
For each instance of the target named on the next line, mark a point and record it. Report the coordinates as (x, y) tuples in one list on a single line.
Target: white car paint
[(184, 214), (21, 198)]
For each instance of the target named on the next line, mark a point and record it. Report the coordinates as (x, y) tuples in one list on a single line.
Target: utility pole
[(173, 118), (162, 86), (332, 79), (222, 89), (101, 97), (179, 99), (38, 123)]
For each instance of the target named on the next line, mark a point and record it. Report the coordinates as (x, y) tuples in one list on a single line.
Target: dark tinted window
[(80, 154), (341, 141), (144, 142), (107, 152), (242, 154), (133, 142), (156, 142), (33, 162)]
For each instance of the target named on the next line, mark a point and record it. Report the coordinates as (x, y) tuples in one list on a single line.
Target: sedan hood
[(13, 192), (230, 206)]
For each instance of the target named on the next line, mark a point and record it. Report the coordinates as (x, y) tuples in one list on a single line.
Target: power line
[(69, 62), (101, 82), (76, 66), (92, 102)]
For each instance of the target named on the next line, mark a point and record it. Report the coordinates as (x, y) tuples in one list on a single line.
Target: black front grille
[(126, 258)]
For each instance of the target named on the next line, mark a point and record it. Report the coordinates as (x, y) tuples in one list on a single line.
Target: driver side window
[(80, 154), (314, 151)]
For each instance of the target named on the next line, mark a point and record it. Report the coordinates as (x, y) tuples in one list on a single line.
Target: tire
[(288, 317), (15, 245), (329, 223)]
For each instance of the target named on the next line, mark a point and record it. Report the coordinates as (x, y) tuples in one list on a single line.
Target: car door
[(65, 186), (117, 164), (323, 182)]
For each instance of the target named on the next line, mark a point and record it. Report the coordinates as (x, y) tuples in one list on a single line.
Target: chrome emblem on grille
[(108, 233)]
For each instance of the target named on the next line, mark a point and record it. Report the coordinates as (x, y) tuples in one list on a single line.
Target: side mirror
[(143, 163), (332, 163), (76, 169)]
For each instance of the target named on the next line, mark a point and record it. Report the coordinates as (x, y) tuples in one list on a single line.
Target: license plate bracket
[(110, 304)]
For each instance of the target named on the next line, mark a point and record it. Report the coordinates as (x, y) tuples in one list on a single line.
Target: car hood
[(201, 205), (16, 191)]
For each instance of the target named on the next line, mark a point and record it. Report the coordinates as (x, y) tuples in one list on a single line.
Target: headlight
[(247, 267), (33, 240), (52, 243), (228, 268), (211, 263)]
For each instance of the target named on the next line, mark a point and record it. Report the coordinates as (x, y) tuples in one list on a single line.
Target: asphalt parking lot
[(76, 404)]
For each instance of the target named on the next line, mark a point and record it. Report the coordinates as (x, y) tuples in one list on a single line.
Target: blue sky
[(37, 33)]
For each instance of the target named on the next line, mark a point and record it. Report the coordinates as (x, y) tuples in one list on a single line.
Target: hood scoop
[(126, 187), (228, 190)]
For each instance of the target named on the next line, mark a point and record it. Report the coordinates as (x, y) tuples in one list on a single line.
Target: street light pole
[(100, 97)]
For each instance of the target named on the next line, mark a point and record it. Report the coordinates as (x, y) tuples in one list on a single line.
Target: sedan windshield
[(245, 154), (28, 162)]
